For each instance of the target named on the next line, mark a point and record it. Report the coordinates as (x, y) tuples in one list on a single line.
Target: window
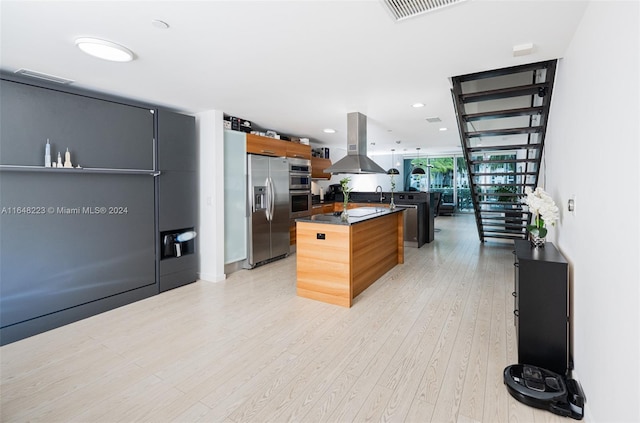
[(447, 174)]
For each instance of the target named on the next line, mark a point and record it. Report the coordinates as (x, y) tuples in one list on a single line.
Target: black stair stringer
[(502, 117)]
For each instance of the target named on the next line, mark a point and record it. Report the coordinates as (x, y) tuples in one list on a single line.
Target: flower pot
[(536, 241), (345, 215)]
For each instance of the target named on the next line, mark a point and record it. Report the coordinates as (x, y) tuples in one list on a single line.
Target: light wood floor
[(427, 342)]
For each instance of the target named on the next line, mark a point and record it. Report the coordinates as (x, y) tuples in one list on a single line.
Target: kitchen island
[(337, 259)]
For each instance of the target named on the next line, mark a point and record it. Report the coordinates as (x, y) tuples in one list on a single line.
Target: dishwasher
[(410, 224)]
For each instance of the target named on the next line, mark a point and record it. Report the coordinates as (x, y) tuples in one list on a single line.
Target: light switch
[(571, 205)]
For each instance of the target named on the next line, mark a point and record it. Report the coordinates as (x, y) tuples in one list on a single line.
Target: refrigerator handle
[(267, 209), (272, 199)]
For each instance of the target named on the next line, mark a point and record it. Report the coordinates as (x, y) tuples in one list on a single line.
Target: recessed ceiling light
[(329, 131), (105, 50), (443, 129), (417, 105), (433, 119)]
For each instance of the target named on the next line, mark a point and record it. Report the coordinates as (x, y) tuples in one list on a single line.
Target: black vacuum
[(542, 388)]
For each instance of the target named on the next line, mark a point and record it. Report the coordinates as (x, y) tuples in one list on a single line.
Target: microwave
[(299, 174), (299, 203), (299, 181), (300, 166)]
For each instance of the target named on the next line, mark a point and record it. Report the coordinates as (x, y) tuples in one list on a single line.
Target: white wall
[(365, 182), (592, 152), (209, 127)]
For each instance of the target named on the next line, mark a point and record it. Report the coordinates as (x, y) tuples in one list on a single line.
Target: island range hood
[(356, 160)]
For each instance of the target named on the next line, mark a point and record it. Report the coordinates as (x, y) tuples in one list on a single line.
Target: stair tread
[(504, 228), (505, 225), (503, 71), (507, 231), (505, 147), (503, 231), (500, 203), (503, 173), (505, 236), (517, 91), (519, 184), (498, 114), (505, 131), (504, 218), (505, 161)]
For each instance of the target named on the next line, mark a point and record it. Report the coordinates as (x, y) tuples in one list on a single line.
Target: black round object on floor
[(542, 388)]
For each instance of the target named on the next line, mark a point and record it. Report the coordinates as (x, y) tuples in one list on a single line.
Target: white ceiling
[(293, 66)]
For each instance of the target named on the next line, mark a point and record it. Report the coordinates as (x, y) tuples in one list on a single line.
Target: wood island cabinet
[(336, 260), (541, 307)]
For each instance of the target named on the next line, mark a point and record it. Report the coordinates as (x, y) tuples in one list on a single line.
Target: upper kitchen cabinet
[(298, 151), (318, 166), (266, 146)]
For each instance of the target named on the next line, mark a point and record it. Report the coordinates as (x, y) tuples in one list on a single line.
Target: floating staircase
[(502, 118)]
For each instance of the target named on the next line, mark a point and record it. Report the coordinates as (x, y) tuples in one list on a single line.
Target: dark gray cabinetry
[(87, 243), (99, 133), (542, 306), (177, 197)]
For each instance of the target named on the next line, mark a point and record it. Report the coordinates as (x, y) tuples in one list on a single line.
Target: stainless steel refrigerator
[(268, 190)]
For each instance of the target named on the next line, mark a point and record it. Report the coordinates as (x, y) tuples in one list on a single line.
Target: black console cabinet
[(541, 310)]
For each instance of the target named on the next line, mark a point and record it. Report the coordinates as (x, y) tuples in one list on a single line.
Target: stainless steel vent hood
[(356, 160)]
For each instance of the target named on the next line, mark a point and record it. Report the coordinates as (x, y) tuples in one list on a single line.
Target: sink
[(365, 211)]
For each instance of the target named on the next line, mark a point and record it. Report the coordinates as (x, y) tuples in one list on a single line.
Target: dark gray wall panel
[(174, 280), (177, 192), (177, 147), (38, 325), (98, 133), (73, 253), (178, 200)]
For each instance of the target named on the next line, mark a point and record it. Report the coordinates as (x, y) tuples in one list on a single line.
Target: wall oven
[(299, 203), (299, 188)]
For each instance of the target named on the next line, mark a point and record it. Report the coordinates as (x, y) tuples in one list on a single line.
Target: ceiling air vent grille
[(403, 9), (44, 76)]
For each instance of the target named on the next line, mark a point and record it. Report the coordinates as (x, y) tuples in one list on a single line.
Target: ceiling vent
[(404, 9), (44, 76)]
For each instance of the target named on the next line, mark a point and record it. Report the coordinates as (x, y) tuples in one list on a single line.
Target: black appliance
[(544, 389), (333, 189)]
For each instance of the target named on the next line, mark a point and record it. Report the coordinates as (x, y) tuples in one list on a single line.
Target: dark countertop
[(357, 215), (399, 197)]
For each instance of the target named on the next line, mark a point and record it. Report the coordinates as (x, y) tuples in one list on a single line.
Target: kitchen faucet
[(381, 195)]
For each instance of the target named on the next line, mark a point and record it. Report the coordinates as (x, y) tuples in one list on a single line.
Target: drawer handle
[(516, 313), (516, 264), (269, 151), (514, 294)]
